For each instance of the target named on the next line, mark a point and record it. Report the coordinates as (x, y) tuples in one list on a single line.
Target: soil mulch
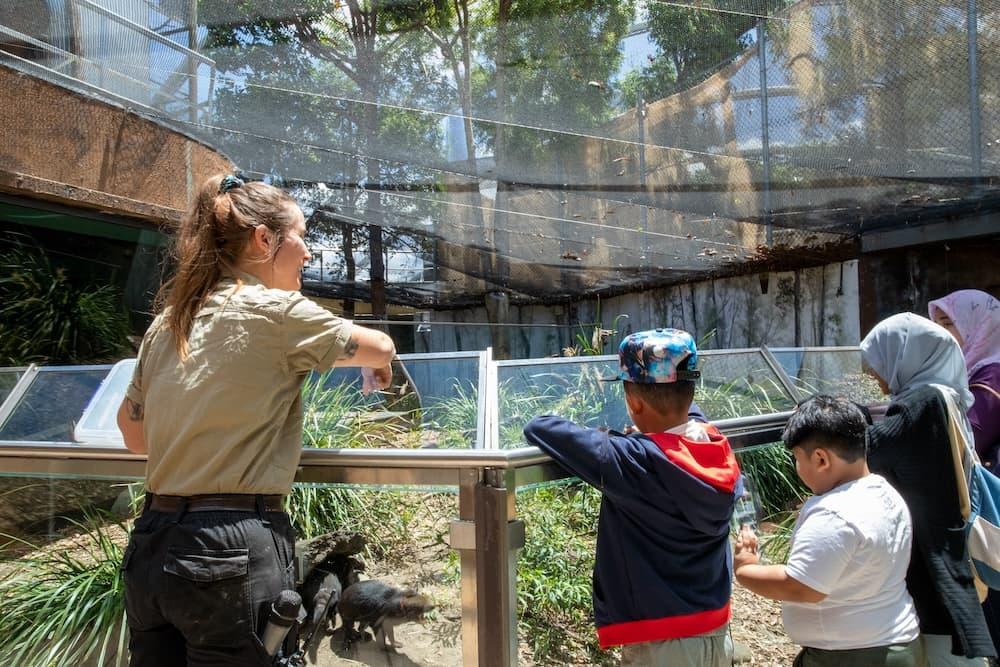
[(756, 623), (757, 626)]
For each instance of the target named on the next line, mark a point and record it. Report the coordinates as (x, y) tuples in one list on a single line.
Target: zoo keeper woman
[(215, 402)]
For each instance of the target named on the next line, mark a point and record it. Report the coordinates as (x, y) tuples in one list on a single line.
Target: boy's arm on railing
[(579, 450)]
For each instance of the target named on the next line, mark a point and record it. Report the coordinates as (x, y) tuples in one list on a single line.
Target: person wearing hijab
[(917, 362), (973, 318)]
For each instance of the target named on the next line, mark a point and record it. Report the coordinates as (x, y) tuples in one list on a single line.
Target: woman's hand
[(375, 379)]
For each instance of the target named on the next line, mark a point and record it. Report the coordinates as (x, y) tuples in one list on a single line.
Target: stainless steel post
[(462, 538), (644, 201), (499, 536), (192, 63)]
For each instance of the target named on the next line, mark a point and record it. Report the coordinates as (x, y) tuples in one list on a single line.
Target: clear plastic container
[(99, 426)]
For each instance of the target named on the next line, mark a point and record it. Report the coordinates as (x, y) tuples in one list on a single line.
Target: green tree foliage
[(693, 43), (550, 68), (322, 95)]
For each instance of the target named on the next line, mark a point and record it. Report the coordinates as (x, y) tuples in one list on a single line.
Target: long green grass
[(65, 607), (49, 316), (454, 419), (335, 417)]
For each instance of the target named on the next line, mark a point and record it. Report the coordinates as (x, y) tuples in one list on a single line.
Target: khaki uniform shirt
[(229, 418)]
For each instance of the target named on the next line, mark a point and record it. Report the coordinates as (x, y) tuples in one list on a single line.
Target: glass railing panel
[(66, 536), (53, 404), (433, 405), (571, 387), (8, 378), (61, 549), (733, 383), (554, 569), (739, 383), (397, 537), (829, 371)]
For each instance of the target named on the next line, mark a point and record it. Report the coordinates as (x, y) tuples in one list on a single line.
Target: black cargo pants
[(198, 586)]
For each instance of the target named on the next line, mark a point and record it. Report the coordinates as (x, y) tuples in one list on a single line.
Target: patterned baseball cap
[(657, 356)]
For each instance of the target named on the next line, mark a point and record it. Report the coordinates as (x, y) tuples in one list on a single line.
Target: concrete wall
[(815, 306)]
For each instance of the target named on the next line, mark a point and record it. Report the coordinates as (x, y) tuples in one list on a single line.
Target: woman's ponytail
[(210, 241)]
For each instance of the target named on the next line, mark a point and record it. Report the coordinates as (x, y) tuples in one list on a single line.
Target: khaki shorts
[(712, 649), (896, 655), (938, 649)]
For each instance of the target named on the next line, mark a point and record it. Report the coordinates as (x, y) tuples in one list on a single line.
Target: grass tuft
[(66, 607)]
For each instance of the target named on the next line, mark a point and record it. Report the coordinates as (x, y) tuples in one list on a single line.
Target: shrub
[(554, 574), (65, 607), (46, 316)]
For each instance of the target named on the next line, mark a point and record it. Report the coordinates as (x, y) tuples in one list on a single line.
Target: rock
[(741, 653), (31, 501), (311, 553)]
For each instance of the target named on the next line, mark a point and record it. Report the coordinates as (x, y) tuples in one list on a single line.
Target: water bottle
[(745, 512)]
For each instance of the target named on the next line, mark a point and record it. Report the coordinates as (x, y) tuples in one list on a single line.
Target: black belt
[(222, 502)]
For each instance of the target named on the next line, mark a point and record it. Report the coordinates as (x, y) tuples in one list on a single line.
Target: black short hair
[(833, 422), (664, 397)]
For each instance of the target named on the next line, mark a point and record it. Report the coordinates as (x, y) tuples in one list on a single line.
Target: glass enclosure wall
[(64, 538), (437, 400), (402, 480), (733, 383)]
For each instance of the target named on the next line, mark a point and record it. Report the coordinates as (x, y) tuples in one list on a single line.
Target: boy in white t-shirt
[(844, 588)]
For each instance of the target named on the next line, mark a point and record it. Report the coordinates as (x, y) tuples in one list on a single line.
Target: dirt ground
[(756, 626), (436, 642)]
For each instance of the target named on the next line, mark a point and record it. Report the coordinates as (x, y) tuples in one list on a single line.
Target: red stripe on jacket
[(659, 629), (712, 462)]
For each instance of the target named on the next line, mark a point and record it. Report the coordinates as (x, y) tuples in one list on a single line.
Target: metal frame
[(777, 369), (486, 533), (145, 32), (485, 361), (975, 131), (17, 392), (840, 348), (765, 131), (56, 75)]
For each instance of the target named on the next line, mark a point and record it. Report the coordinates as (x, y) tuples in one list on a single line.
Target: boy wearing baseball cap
[(663, 569)]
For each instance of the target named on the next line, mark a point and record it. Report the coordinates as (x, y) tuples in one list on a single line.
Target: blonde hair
[(210, 241)]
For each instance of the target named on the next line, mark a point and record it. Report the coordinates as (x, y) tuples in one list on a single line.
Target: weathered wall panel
[(908, 278), (58, 145), (743, 311)]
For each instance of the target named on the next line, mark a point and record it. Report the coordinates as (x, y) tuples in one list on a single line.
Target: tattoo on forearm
[(349, 350), (135, 411)]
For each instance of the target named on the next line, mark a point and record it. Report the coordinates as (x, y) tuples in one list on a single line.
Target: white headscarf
[(909, 351)]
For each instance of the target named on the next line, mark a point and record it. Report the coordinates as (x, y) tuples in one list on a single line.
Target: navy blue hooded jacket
[(663, 568)]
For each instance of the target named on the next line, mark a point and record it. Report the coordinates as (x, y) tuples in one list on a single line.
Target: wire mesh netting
[(558, 149)]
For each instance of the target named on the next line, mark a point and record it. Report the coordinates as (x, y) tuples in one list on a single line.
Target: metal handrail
[(453, 459), (486, 533), (384, 467)]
